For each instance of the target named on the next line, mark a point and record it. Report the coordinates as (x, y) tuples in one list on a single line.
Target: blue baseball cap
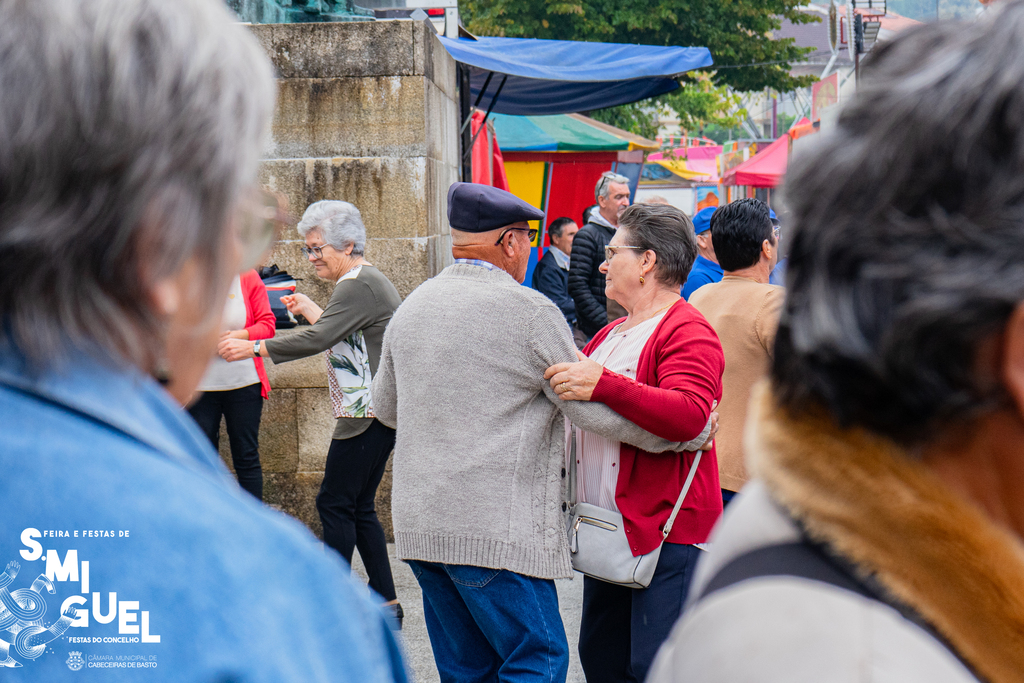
[(771, 213), (702, 219)]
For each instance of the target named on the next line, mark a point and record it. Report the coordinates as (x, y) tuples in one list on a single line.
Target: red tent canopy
[(764, 169)]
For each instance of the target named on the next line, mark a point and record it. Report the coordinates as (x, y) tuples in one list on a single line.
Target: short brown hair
[(666, 231)]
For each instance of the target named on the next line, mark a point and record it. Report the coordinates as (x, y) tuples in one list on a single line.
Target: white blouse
[(220, 374), (597, 458)]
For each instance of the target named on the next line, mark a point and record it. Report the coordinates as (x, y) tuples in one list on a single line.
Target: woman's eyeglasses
[(609, 250), (318, 252), (531, 234)]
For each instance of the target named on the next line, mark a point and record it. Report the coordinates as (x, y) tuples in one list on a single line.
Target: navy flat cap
[(479, 208)]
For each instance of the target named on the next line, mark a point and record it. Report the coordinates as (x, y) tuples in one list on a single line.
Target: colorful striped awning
[(563, 133)]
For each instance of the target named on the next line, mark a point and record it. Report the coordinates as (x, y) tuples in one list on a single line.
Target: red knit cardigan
[(259, 319), (678, 378)]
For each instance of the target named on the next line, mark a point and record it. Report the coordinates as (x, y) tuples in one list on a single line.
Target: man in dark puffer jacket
[(586, 282)]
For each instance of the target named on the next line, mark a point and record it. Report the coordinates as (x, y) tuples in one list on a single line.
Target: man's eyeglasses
[(531, 234), (314, 251), (609, 250), (776, 232)]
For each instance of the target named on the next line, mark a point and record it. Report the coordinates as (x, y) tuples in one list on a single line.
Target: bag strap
[(682, 494), (805, 559), (679, 501), (572, 464)]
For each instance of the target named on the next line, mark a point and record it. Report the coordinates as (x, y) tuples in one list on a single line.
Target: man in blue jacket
[(551, 276), (705, 269)]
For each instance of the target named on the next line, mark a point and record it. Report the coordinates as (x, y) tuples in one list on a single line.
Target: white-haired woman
[(130, 131), (351, 331)]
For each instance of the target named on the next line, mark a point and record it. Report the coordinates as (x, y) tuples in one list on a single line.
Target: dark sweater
[(586, 282)]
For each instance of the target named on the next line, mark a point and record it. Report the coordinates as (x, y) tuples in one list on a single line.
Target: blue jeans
[(492, 624)]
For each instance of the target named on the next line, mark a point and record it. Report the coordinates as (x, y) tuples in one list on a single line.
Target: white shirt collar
[(561, 258)]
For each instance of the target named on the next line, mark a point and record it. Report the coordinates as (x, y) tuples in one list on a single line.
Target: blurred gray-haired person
[(881, 536), (130, 133)]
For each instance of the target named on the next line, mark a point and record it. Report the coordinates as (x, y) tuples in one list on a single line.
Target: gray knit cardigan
[(480, 452)]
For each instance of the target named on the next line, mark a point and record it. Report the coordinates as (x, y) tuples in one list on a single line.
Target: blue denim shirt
[(131, 553)]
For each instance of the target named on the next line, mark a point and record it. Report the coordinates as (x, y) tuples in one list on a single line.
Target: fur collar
[(872, 503)]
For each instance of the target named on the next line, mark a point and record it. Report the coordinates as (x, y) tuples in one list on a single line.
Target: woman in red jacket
[(661, 367), (236, 390)]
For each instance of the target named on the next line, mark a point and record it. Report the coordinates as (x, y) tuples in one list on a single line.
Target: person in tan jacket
[(744, 311)]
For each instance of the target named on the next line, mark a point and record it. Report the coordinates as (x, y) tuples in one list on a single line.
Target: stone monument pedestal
[(366, 113)]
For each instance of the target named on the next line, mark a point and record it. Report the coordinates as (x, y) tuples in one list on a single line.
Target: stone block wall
[(366, 113)]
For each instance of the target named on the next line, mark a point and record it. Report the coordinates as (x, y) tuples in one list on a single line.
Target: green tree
[(698, 103), (639, 118), (737, 32)]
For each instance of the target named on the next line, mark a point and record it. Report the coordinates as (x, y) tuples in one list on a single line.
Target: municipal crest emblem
[(75, 661)]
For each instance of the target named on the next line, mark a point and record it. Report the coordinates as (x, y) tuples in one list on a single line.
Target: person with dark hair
[(587, 212), (744, 225), (744, 309), (705, 268), (551, 276), (882, 536), (660, 367), (586, 281)]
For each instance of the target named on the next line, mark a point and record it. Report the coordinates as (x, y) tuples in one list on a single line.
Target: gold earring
[(641, 279)]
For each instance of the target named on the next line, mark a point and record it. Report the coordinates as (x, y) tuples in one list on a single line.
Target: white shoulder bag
[(597, 539)]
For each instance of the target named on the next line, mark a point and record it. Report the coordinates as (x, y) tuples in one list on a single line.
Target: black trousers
[(346, 502), (622, 628), (242, 409)]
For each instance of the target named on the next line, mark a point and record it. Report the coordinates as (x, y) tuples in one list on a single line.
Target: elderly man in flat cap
[(479, 459)]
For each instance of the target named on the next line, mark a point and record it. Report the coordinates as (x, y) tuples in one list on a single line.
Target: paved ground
[(414, 632)]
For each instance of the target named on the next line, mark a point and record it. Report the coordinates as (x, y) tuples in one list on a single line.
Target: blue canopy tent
[(562, 77), (541, 77)]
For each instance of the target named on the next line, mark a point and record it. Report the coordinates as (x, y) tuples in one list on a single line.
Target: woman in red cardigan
[(236, 390), (661, 367)]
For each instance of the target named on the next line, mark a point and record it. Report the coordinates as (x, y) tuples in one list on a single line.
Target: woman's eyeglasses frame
[(609, 250), (314, 251)]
